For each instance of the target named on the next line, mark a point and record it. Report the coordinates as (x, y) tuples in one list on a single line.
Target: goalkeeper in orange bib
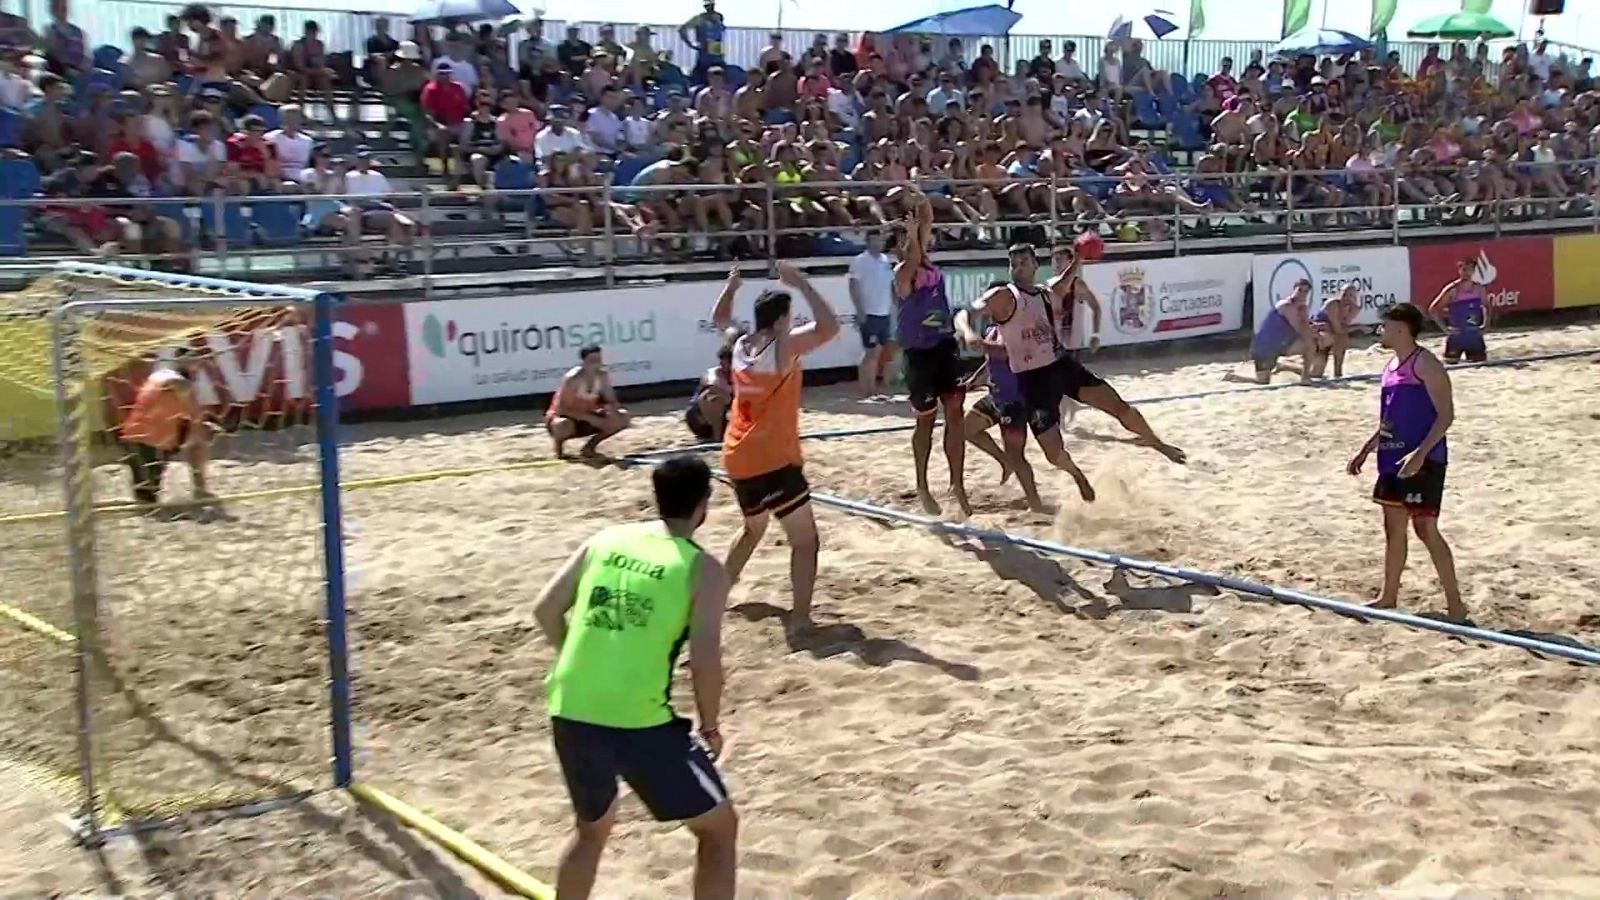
[(166, 422)]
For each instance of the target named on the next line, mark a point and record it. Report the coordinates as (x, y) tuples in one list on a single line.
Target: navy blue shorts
[(1468, 343), (876, 331), (665, 765)]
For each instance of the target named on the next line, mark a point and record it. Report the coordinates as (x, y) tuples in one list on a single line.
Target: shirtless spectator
[(263, 57), (145, 68), (307, 65)]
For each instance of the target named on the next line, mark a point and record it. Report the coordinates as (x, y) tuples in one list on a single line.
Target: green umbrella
[(1461, 26)]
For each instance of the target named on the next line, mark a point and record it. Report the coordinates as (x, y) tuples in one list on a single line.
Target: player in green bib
[(618, 613)]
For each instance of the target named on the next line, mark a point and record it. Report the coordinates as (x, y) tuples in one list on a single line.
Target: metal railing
[(626, 229)]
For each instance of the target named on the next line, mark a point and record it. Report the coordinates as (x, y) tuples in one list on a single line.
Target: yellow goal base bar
[(362, 484), (466, 849)]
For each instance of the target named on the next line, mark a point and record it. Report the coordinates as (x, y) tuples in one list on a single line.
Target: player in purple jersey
[(925, 331), (1415, 411), (1004, 406), (1463, 312)]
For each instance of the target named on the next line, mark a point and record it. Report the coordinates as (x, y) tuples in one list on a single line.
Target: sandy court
[(970, 720)]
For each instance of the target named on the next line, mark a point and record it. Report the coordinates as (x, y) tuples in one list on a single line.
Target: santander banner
[(260, 373), (1517, 273), (479, 348)]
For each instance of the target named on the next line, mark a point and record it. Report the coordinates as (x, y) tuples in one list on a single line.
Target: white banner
[(1168, 299), (474, 349), (1383, 275)]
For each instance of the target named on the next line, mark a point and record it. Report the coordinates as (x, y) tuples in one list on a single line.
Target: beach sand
[(969, 719)]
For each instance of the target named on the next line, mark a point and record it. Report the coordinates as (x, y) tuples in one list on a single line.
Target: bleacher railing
[(347, 30), (238, 236)]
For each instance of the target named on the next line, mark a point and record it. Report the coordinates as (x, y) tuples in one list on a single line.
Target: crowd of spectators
[(816, 143)]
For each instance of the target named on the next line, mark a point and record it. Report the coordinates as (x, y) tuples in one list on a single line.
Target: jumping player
[(585, 405), (1065, 260), (618, 612), (165, 423), (1415, 412), (1330, 329), (931, 358), (1462, 312), (1286, 327), (761, 448), (1071, 379)]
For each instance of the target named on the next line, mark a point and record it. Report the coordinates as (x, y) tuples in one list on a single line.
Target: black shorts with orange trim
[(1421, 495), (779, 492)]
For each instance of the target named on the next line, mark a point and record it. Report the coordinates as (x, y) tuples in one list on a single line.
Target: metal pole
[(1177, 227), (1394, 186), (332, 537), (772, 230), (1594, 196), (1288, 216), (76, 482), (610, 233), (427, 247), (1055, 211), (221, 236)]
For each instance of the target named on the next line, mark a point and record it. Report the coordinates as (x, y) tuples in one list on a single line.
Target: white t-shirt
[(1541, 63), (1110, 72), (207, 160), (548, 143), (874, 279), (366, 184), (293, 152), (1070, 69), (636, 131), (839, 104)]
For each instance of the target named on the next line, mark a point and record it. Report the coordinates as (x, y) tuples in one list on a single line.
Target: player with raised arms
[(931, 357), (1065, 259), (618, 612), (1462, 310), (1416, 410), (761, 447)]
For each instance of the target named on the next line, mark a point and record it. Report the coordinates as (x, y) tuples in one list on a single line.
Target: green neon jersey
[(625, 630)]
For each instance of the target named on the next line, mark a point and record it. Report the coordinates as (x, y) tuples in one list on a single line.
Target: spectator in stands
[(370, 212), (574, 52), (324, 176), (144, 68), (531, 52), (252, 158), (403, 82), (16, 35), (381, 47), (87, 227), (644, 60), (558, 136), (126, 136), (173, 44), (447, 105), (518, 125), (17, 91), (308, 67), (291, 145), (261, 57), (483, 140), (604, 128), (137, 230), (202, 158), (66, 49)]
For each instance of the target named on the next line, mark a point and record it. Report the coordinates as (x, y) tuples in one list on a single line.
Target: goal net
[(164, 638)]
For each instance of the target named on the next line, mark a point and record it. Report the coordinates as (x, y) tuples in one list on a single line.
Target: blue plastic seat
[(277, 223), (1146, 113), (512, 174), (1187, 135), (10, 128), (269, 114), (235, 225), (1184, 91)]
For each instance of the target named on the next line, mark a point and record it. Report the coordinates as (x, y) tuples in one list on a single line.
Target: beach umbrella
[(1321, 42), (1461, 26), (992, 19), (1151, 26), (433, 12)]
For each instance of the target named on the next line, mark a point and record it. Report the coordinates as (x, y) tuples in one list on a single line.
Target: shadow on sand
[(828, 641)]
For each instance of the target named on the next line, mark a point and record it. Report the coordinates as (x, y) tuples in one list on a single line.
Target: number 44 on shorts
[(1414, 499)]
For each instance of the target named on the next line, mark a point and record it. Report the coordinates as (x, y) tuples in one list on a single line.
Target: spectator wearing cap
[(600, 74), (446, 104), (308, 67), (705, 32), (558, 136), (574, 52), (144, 68), (644, 60), (370, 212), (607, 41), (66, 49), (214, 101)]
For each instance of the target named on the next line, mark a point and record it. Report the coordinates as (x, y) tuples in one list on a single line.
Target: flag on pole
[(1382, 15), (1296, 15), (1197, 17)]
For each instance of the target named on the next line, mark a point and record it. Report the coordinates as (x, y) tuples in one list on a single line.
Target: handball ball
[(1090, 247), (1128, 232)]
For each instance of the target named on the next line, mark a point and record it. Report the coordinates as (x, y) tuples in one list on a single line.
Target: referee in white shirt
[(872, 295)]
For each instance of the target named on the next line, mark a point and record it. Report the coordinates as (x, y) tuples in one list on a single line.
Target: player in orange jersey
[(165, 422), (761, 447)]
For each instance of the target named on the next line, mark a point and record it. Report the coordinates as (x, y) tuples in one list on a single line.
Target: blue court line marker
[(1171, 398)]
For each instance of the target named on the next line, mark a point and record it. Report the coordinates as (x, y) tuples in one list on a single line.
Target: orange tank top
[(763, 432), (159, 412)]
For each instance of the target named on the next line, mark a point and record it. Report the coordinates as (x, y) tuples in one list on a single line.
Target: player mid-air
[(931, 358), (1462, 310), (1416, 410)]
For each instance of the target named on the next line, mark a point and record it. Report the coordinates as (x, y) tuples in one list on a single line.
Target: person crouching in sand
[(585, 405)]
